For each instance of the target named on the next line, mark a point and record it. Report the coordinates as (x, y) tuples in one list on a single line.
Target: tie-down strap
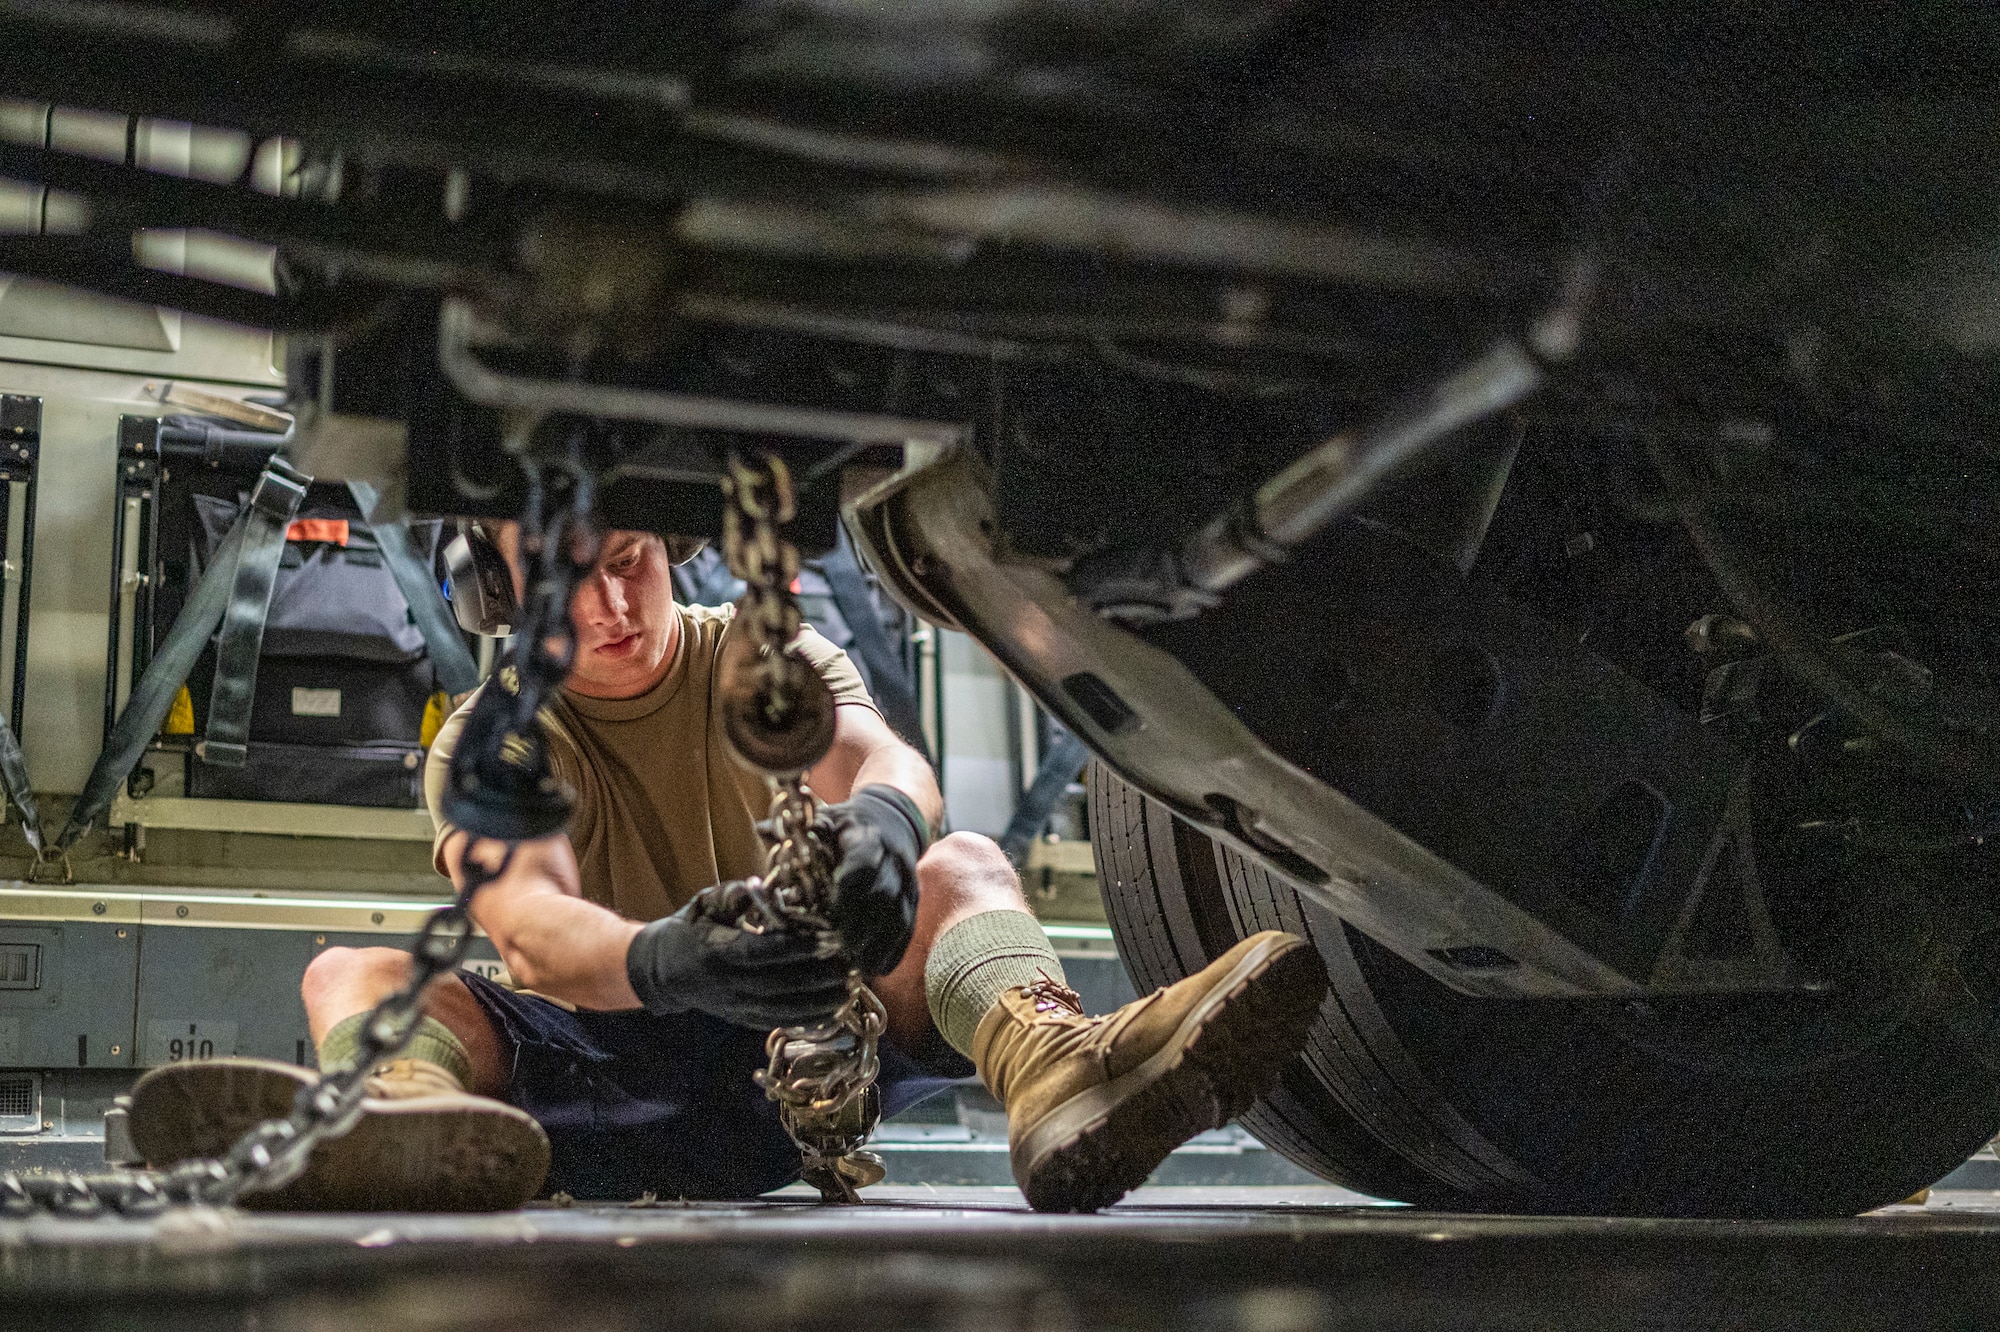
[(14, 775), (452, 661), (273, 503), (172, 660)]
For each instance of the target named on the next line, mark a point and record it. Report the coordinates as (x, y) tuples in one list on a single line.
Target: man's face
[(625, 621)]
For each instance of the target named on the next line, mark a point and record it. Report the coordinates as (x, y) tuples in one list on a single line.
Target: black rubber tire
[(1409, 1090), (1161, 884)]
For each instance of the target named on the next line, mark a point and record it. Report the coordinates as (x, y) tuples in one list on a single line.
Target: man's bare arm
[(866, 753), (553, 941), (556, 943)]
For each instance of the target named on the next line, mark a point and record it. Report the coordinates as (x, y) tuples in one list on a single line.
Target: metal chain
[(822, 1075), (277, 1151), (760, 501)]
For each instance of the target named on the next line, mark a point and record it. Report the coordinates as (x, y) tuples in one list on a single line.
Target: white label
[(171, 1040), (491, 969), (315, 702)]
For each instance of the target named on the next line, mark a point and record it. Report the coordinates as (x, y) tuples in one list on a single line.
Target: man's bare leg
[(961, 876), (344, 981)]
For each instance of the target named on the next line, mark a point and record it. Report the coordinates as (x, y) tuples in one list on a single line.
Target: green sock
[(976, 961), (434, 1042)]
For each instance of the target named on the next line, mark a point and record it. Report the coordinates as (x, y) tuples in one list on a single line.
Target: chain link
[(822, 1075), (277, 1151), (759, 503)]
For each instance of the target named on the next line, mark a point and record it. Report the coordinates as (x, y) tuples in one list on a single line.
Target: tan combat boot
[(1094, 1104), (422, 1144)]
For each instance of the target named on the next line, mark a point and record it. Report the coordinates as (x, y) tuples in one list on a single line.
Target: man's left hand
[(881, 834)]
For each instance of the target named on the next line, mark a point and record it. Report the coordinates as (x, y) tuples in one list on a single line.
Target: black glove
[(687, 961), (881, 834)]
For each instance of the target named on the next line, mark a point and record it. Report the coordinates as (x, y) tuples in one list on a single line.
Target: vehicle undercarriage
[(1508, 494)]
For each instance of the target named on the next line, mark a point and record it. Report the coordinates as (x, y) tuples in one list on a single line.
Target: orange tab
[(333, 531)]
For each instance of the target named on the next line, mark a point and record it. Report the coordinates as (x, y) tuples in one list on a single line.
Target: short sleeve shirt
[(662, 810)]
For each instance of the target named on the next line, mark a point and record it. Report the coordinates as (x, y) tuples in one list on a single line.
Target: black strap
[(153, 696), (895, 692), (1059, 768), (457, 673), (273, 503)]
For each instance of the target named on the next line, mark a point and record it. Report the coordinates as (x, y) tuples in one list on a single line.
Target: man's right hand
[(686, 961)]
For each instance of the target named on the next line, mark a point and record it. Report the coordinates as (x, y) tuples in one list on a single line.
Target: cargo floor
[(1255, 1259)]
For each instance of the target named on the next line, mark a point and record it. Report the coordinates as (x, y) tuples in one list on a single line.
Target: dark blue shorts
[(637, 1102)]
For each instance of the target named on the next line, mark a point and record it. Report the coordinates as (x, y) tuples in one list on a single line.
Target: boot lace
[(1052, 996)]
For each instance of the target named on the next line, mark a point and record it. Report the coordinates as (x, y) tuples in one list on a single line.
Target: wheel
[(1160, 880), (1760, 1106)]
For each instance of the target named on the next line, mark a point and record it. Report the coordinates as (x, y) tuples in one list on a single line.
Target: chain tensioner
[(778, 718)]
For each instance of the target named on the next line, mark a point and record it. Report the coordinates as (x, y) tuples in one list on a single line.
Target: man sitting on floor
[(622, 1064)]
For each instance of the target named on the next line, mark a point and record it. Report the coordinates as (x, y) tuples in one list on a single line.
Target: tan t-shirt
[(662, 810)]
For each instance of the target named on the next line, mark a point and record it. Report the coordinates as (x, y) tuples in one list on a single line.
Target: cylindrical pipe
[(1332, 479)]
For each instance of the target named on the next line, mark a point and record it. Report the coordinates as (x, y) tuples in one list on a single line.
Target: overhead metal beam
[(491, 388)]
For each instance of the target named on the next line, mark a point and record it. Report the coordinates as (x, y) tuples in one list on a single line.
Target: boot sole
[(1099, 1145), (450, 1153)]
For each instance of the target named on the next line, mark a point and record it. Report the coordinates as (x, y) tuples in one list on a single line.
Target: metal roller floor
[(1242, 1259)]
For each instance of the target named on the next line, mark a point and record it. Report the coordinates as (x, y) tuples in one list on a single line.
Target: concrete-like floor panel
[(1258, 1260)]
